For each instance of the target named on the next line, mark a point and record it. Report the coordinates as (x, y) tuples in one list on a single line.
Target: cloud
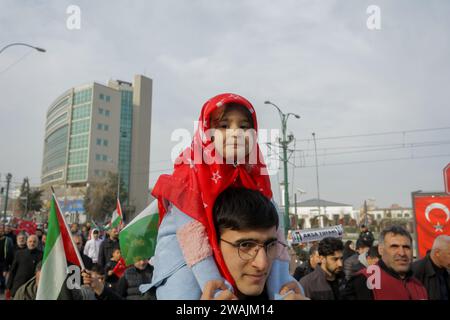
[(315, 58)]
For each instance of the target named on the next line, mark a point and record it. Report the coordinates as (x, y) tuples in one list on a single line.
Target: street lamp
[(22, 44), (284, 144)]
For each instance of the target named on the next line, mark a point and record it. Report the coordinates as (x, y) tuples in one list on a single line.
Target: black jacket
[(303, 270), (129, 283), (106, 250), (317, 287), (6, 253), (23, 268), (425, 272)]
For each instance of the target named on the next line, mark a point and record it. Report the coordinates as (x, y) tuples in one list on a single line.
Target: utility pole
[(317, 180), (284, 141), (8, 181)]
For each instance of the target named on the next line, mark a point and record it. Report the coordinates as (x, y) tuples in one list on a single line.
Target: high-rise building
[(94, 129)]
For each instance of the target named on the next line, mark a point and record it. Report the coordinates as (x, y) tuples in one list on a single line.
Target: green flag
[(138, 238)]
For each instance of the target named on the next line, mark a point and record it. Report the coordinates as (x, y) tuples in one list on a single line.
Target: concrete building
[(309, 210), (94, 129)]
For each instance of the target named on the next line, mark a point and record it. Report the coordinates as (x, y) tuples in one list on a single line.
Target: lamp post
[(284, 144), (22, 44)]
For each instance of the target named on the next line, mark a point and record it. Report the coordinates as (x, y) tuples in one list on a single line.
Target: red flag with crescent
[(432, 213)]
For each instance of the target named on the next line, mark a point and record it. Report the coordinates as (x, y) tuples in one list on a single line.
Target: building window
[(107, 113), (99, 142), (104, 157), (108, 98), (97, 157), (105, 127), (100, 110), (99, 126), (105, 143), (102, 96)]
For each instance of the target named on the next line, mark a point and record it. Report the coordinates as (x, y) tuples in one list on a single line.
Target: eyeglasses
[(249, 249)]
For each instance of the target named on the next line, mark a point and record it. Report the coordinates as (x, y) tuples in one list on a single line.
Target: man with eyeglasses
[(246, 223)]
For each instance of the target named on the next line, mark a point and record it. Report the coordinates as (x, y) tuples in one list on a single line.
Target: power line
[(376, 149), (378, 160), (377, 134)]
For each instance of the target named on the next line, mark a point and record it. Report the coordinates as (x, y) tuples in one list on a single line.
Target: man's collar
[(393, 273)]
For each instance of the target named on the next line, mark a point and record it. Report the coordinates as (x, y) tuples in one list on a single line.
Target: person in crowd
[(92, 247), (74, 228), (28, 290), (433, 270), (6, 256), (349, 249), (246, 223), (140, 273), (95, 280), (363, 245), (108, 246), (9, 232), (39, 234), (24, 265), (325, 282), (371, 257), (111, 277), (391, 278), (21, 241), (310, 265), (87, 261), (84, 234)]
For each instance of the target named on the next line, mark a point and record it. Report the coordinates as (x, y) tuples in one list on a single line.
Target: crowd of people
[(333, 270), (21, 262)]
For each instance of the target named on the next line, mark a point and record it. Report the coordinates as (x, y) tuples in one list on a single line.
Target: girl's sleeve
[(194, 244)]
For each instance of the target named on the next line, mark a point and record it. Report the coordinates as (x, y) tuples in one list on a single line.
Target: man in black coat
[(6, 256), (325, 282), (310, 265), (133, 277), (108, 246), (24, 265), (432, 270)]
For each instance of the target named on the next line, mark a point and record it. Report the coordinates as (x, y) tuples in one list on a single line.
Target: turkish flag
[(120, 268), (432, 213), (27, 226)]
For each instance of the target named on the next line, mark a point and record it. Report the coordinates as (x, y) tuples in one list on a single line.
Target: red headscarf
[(193, 187)]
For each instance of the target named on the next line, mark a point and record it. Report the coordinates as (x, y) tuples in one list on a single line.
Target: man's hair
[(364, 242), (243, 209), (395, 230), (328, 246), (373, 252), (314, 248), (97, 269)]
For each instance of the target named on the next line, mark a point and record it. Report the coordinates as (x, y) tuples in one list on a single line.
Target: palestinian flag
[(60, 251), (117, 218), (138, 239)]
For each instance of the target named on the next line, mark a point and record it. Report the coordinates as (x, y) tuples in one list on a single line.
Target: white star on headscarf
[(216, 177)]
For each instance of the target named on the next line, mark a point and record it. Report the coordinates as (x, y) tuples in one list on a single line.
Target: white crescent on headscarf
[(437, 206)]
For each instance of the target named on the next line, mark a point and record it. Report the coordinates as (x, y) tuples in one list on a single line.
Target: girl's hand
[(212, 286), (292, 292)]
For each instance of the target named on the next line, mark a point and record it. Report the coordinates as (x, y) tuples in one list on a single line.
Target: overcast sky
[(314, 58)]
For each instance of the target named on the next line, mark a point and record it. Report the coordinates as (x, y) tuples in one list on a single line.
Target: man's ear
[(380, 249)]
